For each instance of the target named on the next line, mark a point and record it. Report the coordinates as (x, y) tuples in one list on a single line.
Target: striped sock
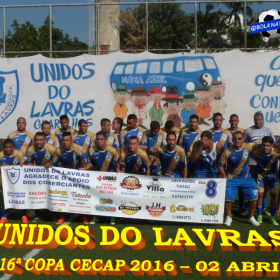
[(273, 210), (259, 209)]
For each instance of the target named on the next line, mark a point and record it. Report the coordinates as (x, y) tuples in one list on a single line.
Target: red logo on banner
[(99, 178)]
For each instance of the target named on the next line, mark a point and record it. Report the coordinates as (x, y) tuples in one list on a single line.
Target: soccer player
[(254, 134), (187, 140), (220, 134), (50, 138), (83, 138), (236, 158), (117, 125), (172, 158), (21, 137), (101, 157), (64, 122), (234, 121), (10, 156), (169, 126), (40, 153), (68, 155), (206, 154), (153, 138), (134, 160), (132, 130), (266, 158)]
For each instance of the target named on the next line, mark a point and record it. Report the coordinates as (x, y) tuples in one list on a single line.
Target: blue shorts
[(177, 175), (248, 187), (263, 183)]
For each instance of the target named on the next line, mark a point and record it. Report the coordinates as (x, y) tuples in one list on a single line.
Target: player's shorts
[(271, 184), (177, 175), (206, 175), (248, 187)]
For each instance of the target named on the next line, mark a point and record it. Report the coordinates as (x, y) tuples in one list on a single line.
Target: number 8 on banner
[(211, 189)]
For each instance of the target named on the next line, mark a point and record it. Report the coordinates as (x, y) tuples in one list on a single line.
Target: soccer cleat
[(267, 213), (94, 220), (24, 220), (112, 220), (253, 222), (273, 222), (85, 221), (228, 221), (259, 219), (36, 219), (60, 221), (3, 220), (244, 213)]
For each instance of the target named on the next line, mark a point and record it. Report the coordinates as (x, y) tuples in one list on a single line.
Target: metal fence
[(161, 27)]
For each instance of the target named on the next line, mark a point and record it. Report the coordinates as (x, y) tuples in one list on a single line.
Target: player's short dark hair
[(104, 121), (258, 114), (66, 133), (234, 115), (45, 122), (171, 133), (132, 117), (154, 125), (133, 138), (217, 115), (8, 141), (194, 117), (64, 117), (169, 124), (238, 132), (268, 139), (101, 133), (39, 133), (82, 121), (119, 121)]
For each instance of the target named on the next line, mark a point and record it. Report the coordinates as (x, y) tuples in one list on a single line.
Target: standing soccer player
[(40, 153), (187, 140), (132, 130), (51, 139), (64, 122), (266, 158), (234, 121), (172, 158), (206, 154), (102, 158), (68, 155), (169, 127), (220, 134), (117, 127), (21, 137), (236, 158), (134, 160)]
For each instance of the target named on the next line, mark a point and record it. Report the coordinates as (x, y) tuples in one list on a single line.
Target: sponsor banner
[(113, 194)]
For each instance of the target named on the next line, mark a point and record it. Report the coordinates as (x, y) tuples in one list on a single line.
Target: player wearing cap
[(187, 140), (206, 154), (50, 138), (169, 126), (10, 156), (153, 138), (131, 130), (172, 158), (220, 134), (64, 122), (236, 158), (21, 137), (266, 158)]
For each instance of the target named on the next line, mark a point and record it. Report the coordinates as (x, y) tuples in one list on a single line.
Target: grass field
[(149, 252)]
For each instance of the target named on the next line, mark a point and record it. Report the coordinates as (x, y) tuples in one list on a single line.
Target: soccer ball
[(30, 214), (267, 16)]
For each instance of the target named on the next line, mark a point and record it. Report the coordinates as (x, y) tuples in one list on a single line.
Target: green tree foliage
[(26, 37)]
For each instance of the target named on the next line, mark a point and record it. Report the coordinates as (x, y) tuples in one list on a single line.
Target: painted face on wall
[(157, 97), (121, 98), (204, 97), (218, 90), (189, 105), (172, 108), (141, 99)]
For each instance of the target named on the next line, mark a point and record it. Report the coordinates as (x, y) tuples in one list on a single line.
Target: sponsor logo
[(107, 178), (80, 195), (105, 208), (156, 210), (129, 208), (13, 201), (13, 174), (174, 208), (16, 194), (155, 186), (210, 209), (59, 192), (131, 183), (37, 193), (211, 191), (106, 201)]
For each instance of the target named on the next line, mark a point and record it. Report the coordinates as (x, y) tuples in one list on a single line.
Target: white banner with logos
[(113, 194), (153, 86)]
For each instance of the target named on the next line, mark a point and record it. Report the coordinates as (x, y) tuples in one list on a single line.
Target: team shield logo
[(9, 92), (13, 174)]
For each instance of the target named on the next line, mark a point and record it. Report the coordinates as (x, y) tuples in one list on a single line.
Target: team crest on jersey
[(47, 156), (13, 174), (224, 137), (50, 142), (109, 158), (74, 157), (139, 161), (245, 155), (273, 159), (177, 158), (160, 138), (9, 92), (140, 135), (197, 138), (15, 162), (88, 140), (111, 139), (28, 140)]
